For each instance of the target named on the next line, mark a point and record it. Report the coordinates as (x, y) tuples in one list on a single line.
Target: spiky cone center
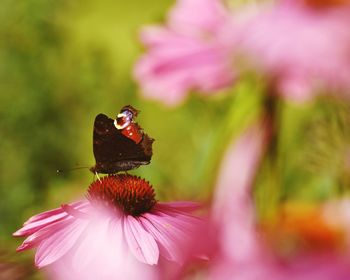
[(130, 194)]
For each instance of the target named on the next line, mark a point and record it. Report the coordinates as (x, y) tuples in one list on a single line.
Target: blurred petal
[(233, 207), (209, 15), (186, 55), (89, 247), (301, 49)]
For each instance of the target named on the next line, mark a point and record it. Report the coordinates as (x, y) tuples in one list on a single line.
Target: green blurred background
[(63, 62)]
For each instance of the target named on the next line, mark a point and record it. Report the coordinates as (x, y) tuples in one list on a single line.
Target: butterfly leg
[(98, 177)]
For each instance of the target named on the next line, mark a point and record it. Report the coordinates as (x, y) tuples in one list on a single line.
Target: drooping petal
[(210, 15), (56, 245), (140, 242), (233, 208), (183, 206), (33, 227), (34, 239), (104, 255), (304, 50), (117, 244), (93, 243), (53, 212), (188, 54), (177, 217), (44, 219), (166, 240), (158, 39), (173, 225)]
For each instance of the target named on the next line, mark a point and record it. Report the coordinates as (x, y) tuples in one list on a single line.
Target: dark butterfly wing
[(114, 152)]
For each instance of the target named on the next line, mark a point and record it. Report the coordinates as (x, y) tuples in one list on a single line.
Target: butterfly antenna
[(71, 169)]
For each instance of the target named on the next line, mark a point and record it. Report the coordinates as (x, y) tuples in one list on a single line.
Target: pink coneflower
[(119, 222), (242, 253), (301, 46), (186, 54)]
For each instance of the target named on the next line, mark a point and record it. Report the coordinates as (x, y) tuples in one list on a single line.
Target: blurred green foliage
[(63, 62)]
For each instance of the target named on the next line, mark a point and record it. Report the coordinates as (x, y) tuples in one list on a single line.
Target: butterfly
[(120, 144)]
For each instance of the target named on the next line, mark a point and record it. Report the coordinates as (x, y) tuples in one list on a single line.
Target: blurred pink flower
[(188, 54), (233, 210), (241, 252), (300, 46), (118, 228)]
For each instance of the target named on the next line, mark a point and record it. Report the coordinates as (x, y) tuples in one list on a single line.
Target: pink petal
[(165, 42), (320, 58), (104, 255), (140, 242), (166, 212), (187, 206), (179, 226), (168, 72), (116, 242), (297, 89), (34, 239), (53, 212), (233, 208), (209, 15), (58, 244), (94, 243), (42, 220), (33, 227), (74, 212), (166, 240), (188, 54)]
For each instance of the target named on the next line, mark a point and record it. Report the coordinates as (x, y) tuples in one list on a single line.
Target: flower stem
[(267, 193)]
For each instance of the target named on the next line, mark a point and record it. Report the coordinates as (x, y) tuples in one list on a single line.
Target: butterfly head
[(125, 117), (125, 123)]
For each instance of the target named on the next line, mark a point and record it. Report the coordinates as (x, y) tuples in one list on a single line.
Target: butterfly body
[(133, 132), (119, 148)]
